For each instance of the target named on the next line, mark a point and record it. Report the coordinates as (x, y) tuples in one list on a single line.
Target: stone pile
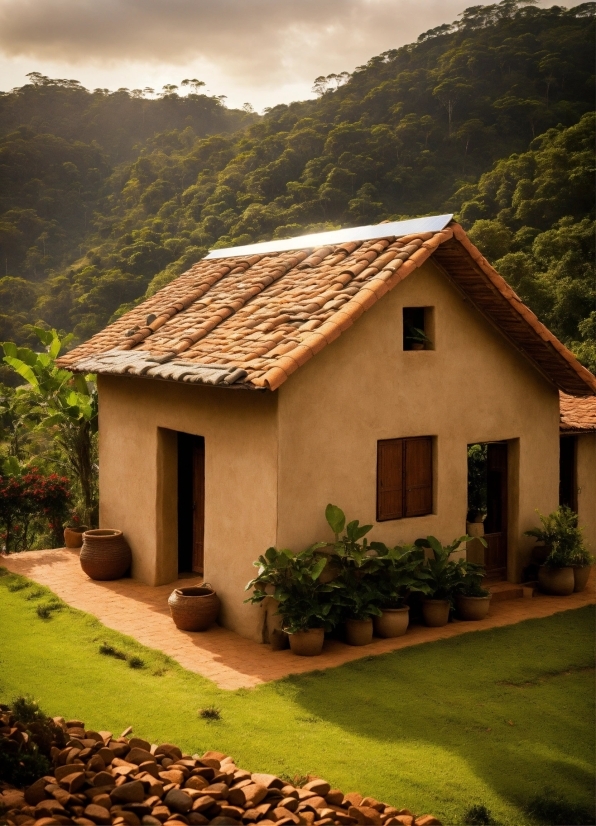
[(101, 780)]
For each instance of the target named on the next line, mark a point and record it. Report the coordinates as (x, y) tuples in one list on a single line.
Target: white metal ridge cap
[(432, 223)]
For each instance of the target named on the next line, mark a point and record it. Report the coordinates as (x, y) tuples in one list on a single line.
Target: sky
[(261, 52)]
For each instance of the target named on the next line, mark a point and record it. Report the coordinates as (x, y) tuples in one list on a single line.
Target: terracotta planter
[(105, 554), (194, 608), (359, 632), (393, 622), (73, 537), (435, 612), (581, 575), (416, 345), (472, 608), (559, 582), (307, 643)]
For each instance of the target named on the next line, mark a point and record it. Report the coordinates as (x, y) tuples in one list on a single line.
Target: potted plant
[(304, 601), (441, 575), (563, 539), (471, 599), (398, 577), (417, 338), (357, 595)]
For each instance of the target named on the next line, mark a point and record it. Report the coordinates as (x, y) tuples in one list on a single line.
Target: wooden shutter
[(389, 479), (418, 476)]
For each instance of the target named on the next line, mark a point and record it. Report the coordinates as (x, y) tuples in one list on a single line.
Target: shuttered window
[(404, 478)]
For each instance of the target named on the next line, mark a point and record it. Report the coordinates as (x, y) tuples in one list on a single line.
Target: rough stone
[(132, 792), (178, 801), (98, 814)]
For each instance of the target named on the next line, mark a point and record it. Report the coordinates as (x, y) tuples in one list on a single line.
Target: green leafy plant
[(55, 398), (469, 579), (294, 581), (399, 574), (560, 532), (478, 815), (416, 335), (442, 574)]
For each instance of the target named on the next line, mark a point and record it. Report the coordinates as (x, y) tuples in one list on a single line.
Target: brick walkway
[(232, 662)]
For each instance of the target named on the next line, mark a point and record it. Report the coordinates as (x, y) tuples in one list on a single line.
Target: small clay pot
[(417, 345), (435, 612), (581, 575), (73, 537), (105, 554), (559, 582), (392, 623), (308, 643), (472, 608), (359, 632), (194, 608)]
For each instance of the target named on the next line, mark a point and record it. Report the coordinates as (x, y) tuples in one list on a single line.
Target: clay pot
[(392, 623), (73, 537), (581, 575), (359, 632), (559, 582), (417, 345), (435, 612), (472, 608), (194, 608), (307, 643), (105, 554)]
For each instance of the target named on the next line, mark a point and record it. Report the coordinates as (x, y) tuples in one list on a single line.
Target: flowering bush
[(32, 499)]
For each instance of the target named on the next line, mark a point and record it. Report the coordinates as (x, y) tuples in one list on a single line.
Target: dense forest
[(104, 197)]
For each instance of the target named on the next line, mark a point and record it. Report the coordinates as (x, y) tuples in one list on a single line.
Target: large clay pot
[(359, 632), (73, 537), (307, 643), (581, 575), (472, 608), (435, 612), (557, 581), (194, 608), (105, 554), (392, 623)]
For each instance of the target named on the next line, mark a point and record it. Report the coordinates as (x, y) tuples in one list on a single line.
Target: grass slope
[(495, 717)]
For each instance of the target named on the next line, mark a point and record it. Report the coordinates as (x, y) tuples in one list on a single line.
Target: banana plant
[(56, 399)]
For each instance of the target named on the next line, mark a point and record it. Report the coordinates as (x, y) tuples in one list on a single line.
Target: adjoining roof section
[(393, 229), (578, 415), (250, 321)]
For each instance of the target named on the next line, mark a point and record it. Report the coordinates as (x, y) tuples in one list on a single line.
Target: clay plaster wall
[(138, 480), (586, 487), (473, 387)]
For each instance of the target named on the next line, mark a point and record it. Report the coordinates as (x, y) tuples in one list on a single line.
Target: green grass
[(495, 718)]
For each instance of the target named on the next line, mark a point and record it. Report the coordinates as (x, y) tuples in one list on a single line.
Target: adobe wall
[(473, 387), (138, 480), (586, 487)]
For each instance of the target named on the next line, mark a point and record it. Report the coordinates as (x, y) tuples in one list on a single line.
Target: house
[(353, 367)]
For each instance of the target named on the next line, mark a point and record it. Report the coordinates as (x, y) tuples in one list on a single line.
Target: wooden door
[(198, 503), (495, 524)]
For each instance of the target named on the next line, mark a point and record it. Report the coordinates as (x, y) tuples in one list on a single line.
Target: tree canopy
[(487, 115)]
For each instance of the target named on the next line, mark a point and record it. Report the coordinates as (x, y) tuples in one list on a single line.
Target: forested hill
[(410, 133)]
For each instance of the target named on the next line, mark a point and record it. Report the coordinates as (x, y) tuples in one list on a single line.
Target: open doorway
[(191, 502), (487, 501)]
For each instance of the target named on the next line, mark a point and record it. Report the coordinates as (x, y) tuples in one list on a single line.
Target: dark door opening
[(487, 502), (568, 473), (191, 502)]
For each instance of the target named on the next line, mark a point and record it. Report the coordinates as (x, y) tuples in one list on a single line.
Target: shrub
[(136, 662), (110, 651), (478, 815), (555, 811), (210, 713), (27, 498)]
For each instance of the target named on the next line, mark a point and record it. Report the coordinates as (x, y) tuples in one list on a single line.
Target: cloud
[(253, 39), (248, 46)]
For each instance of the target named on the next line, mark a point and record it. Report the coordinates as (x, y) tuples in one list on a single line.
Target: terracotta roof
[(252, 320), (578, 415)]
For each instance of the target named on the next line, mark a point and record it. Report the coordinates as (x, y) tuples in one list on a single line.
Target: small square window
[(418, 328)]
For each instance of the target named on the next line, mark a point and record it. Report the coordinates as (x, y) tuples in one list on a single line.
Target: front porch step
[(505, 590)]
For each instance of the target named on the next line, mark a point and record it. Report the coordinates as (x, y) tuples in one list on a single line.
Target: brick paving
[(230, 661)]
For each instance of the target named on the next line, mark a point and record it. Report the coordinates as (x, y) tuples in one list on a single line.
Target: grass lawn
[(494, 718)]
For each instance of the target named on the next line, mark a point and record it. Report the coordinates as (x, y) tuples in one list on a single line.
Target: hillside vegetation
[(487, 116)]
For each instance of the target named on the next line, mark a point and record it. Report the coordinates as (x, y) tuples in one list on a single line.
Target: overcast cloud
[(262, 51)]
